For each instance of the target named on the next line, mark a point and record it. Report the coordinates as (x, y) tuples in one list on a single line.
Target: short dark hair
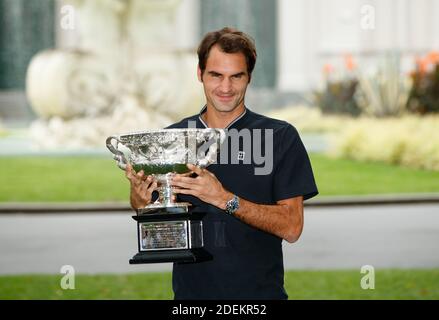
[(229, 40)]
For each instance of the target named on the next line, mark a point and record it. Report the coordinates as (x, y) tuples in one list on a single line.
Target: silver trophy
[(168, 231)]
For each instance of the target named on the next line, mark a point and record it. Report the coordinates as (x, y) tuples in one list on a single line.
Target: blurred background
[(359, 80), (74, 72)]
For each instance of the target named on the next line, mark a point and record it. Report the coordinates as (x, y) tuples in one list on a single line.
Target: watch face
[(232, 205)]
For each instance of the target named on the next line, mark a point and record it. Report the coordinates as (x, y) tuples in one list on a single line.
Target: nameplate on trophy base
[(170, 237)]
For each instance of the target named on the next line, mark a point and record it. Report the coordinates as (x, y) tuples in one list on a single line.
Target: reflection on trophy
[(168, 231)]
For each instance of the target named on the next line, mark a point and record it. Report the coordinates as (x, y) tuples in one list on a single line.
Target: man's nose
[(226, 85)]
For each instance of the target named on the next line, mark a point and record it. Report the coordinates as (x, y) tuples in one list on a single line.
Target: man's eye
[(237, 76)]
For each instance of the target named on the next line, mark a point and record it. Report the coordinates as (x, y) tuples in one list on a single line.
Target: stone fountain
[(123, 74)]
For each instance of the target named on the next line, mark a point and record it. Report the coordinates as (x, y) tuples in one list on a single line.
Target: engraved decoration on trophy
[(161, 153)]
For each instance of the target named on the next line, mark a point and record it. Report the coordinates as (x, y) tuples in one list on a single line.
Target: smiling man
[(248, 214)]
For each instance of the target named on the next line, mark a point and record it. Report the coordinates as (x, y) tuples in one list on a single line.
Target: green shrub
[(338, 97), (384, 93), (408, 141), (424, 95)]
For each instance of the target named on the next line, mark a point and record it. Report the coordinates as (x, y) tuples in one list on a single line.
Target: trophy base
[(178, 256), (166, 236), (178, 207)]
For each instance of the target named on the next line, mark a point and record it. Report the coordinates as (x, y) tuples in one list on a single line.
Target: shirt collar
[(230, 124)]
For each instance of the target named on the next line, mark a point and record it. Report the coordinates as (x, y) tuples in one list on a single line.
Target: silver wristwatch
[(232, 205)]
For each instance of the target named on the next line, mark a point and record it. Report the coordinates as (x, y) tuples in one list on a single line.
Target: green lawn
[(348, 177), (81, 178), (389, 284)]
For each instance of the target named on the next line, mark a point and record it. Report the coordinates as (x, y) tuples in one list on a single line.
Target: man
[(248, 214)]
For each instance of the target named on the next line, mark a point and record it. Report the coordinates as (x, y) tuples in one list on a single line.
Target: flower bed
[(409, 141)]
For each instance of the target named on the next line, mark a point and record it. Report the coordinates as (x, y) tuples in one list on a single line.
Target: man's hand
[(205, 187), (141, 187)]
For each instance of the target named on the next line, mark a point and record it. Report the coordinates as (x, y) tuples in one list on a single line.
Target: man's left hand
[(205, 187)]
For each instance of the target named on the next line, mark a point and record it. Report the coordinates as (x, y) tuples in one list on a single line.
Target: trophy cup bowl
[(167, 231)]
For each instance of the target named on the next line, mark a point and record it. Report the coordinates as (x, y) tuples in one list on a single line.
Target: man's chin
[(222, 107)]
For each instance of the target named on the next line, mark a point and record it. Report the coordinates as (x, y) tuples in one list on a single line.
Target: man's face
[(225, 79)]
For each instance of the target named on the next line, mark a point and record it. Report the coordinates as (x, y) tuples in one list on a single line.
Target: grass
[(63, 179), (349, 177), (389, 284), (85, 178)]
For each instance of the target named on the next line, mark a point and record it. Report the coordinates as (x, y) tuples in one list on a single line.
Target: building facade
[(294, 39)]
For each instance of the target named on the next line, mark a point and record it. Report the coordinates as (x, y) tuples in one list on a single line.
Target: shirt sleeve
[(293, 175)]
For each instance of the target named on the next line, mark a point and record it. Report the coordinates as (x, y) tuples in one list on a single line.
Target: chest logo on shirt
[(257, 143)]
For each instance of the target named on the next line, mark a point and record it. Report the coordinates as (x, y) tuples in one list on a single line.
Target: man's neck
[(216, 119)]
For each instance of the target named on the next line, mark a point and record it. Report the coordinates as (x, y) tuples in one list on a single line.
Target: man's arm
[(284, 219)]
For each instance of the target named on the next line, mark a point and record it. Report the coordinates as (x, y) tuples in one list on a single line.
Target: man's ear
[(199, 74)]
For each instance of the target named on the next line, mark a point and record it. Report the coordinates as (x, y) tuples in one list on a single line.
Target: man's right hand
[(141, 187)]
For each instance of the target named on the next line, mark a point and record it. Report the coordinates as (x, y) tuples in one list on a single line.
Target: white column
[(434, 16), (291, 72), (422, 19), (188, 25), (338, 26), (400, 25), (67, 36)]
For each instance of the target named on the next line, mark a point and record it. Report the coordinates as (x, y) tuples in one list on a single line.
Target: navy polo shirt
[(247, 262)]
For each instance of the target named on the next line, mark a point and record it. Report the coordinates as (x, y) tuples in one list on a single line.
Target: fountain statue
[(124, 74)]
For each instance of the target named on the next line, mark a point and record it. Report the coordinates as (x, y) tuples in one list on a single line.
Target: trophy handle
[(222, 135), (118, 155), (213, 149)]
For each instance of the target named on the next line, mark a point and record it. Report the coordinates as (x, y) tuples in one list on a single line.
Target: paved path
[(405, 236)]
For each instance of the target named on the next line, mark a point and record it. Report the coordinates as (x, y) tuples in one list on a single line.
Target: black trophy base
[(179, 256)]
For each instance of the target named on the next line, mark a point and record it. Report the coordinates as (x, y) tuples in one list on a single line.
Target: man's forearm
[(284, 220)]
